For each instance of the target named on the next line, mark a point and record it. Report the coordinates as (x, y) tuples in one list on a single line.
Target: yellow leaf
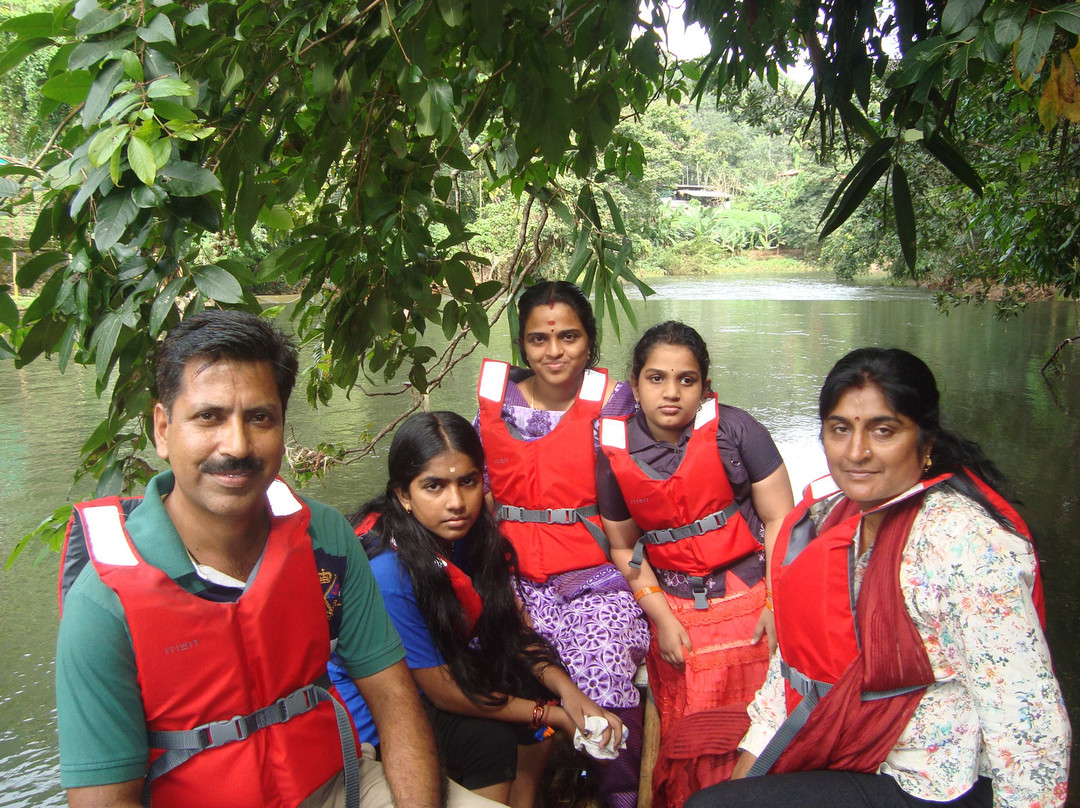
[(1066, 77), (1068, 90), (1048, 103)]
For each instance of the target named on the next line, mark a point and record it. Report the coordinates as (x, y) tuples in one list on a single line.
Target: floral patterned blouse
[(995, 708)]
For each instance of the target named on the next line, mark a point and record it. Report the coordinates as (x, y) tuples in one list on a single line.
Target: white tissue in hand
[(595, 726)]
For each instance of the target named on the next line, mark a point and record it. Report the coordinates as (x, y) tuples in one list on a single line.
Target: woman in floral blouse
[(912, 663)]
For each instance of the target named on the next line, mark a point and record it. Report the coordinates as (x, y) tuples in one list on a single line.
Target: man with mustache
[(192, 647)]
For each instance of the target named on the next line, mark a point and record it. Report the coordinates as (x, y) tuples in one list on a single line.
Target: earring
[(407, 507), (926, 465)]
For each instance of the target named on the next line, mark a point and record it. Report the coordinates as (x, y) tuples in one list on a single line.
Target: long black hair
[(909, 387), (506, 649)]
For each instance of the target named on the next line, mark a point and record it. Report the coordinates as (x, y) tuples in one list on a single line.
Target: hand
[(673, 638), (615, 728), (577, 705), (558, 717), (766, 625), (742, 765)]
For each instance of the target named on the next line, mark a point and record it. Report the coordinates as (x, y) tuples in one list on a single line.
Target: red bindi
[(856, 419), (551, 322)]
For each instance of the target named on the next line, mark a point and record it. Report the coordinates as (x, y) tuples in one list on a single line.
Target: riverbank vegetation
[(409, 166)]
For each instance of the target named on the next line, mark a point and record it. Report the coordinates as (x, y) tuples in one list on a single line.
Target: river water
[(772, 339)]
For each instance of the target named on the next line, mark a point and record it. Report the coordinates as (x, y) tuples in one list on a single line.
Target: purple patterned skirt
[(592, 620)]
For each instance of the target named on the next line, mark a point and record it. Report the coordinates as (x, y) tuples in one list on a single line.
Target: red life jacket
[(870, 678), (815, 623), (202, 662), (546, 488), (688, 526), (813, 592), (466, 593)]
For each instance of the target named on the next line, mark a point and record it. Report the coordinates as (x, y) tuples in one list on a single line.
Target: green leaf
[(458, 278), (1009, 21), (1066, 16), (948, 155), (133, 68), (31, 272), (142, 161), (187, 179), (160, 29), (870, 156), (168, 87), (217, 284), (478, 322), (100, 21), (66, 348), (487, 290), (21, 49), (487, 18), (616, 216), (453, 12), (581, 254), (103, 342), (22, 171), (171, 111), (163, 303), (1034, 42), (856, 192), (9, 312), (114, 215), (276, 217), (97, 99), (958, 13), (68, 88), (105, 142), (200, 15), (29, 26), (86, 54), (450, 319), (905, 215)]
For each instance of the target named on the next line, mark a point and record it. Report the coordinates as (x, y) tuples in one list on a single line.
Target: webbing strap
[(714, 521), (788, 730), (182, 745), (812, 691), (559, 516)]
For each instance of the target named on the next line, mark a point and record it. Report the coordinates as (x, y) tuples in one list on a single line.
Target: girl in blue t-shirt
[(491, 684)]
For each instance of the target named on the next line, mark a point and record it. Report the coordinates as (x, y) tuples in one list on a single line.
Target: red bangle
[(537, 714)]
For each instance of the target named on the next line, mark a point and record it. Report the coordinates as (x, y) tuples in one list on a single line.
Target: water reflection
[(771, 341)]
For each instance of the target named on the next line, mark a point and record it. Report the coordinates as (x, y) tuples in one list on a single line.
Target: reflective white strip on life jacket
[(613, 433), (493, 374), (593, 386), (105, 536), (822, 487), (282, 500), (706, 413)]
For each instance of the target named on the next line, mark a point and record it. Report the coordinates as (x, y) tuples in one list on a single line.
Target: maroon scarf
[(843, 731)]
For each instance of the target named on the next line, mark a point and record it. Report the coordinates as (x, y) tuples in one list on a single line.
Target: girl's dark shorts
[(477, 752)]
